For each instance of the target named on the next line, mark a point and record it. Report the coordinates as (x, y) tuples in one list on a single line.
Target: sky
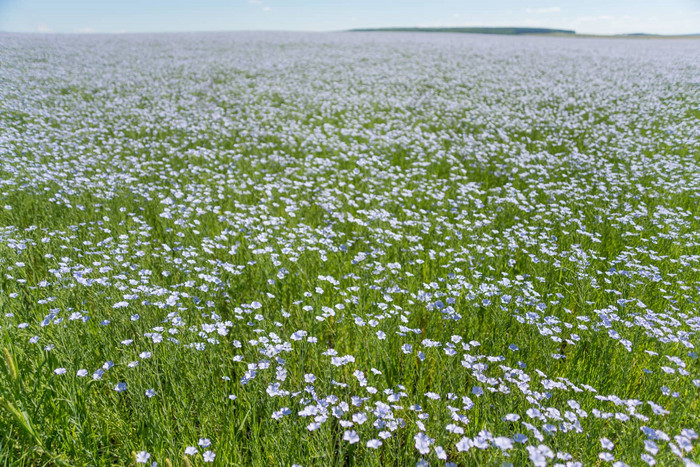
[(127, 16)]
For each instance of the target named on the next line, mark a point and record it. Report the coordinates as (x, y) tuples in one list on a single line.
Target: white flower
[(204, 442), (503, 443), (374, 443), (464, 444), (606, 444), (423, 443), (440, 453), (359, 418), (351, 436)]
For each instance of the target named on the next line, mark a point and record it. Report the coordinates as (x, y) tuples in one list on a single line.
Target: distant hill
[(644, 34), (507, 31), (515, 31)]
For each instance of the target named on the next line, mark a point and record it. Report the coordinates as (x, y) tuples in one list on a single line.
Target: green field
[(349, 249)]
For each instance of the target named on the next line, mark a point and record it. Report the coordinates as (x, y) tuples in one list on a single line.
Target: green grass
[(226, 169)]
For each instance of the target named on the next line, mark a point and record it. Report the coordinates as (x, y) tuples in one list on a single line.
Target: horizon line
[(431, 29)]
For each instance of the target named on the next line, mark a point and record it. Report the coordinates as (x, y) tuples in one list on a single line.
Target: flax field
[(357, 249)]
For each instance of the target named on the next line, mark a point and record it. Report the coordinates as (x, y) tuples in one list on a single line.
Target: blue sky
[(123, 16)]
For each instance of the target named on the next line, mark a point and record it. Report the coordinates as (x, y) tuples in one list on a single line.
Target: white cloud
[(589, 19), (543, 11), (259, 2), (86, 31), (43, 27)]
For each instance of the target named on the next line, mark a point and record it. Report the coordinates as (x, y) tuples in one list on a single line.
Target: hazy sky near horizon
[(125, 16)]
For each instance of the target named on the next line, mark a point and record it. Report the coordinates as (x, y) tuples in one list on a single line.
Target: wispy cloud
[(260, 3), (593, 19), (543, 11), (43, 27)]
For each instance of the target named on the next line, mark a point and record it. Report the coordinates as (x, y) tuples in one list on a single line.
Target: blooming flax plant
[(349, 249)]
